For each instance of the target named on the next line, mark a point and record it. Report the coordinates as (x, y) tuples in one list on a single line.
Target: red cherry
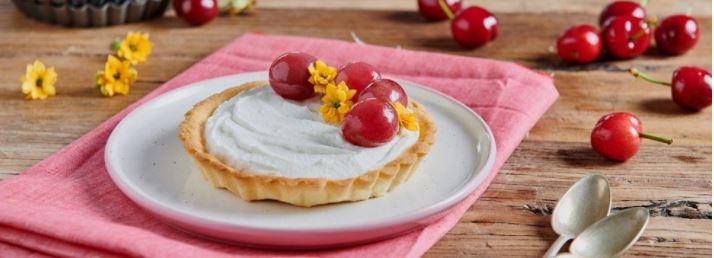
[(677, 34), (626, 37), (580, 44), (617, 136), (370, 123), (473, 27), (196, 12), (621, 8), (431, 9), (177, 7), (691, 86), (289, 76), (357, 75), (385, 89)]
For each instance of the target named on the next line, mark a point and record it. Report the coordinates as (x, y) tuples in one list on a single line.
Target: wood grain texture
[(511, 219)]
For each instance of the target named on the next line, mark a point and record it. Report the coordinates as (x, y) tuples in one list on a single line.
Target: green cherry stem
[(446, 9), (643, 3), (656, 138), (646, 77)]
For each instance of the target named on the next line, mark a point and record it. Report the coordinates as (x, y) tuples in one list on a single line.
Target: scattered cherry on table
[(617, 136), (196, 12), (691, 86), (432, 10), (622, 8), (580, 44), (626, 37), (677, 34), (288, 76), (357, 75), (474, 27), (370, 123), (387, 90)]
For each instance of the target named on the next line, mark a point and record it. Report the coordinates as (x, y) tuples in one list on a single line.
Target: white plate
[(146, 160)]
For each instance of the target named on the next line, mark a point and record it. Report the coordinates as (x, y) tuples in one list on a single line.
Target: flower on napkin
[(136, 47), (116, 77), (38, 81), (336, 102)]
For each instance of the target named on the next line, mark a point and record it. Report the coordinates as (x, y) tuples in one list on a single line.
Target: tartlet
[(250, 185)]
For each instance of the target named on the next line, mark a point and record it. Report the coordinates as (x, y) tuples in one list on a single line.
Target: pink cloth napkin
[(66, 205)]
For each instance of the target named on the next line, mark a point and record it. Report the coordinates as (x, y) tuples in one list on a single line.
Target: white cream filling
[(260, 130)]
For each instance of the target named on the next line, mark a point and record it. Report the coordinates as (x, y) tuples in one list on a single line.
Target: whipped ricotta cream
[(259, 130)]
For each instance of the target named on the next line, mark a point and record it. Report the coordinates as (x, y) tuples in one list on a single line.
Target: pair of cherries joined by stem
[(471, 27), (371, 122), (626, 34), (617, 136), (691, 86)]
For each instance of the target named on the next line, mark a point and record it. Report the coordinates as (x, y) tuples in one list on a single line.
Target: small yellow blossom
[(321, 75), (234, 7), (136, 47), (38, 81), (116, 77), (407, 118), (336, 102)]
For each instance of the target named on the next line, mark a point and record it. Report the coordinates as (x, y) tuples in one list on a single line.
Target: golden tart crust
[(304, 192)]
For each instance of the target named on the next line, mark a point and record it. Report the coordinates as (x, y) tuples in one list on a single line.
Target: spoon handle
[(557, 245)]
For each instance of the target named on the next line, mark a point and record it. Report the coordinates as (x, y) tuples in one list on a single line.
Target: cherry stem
[(646, 77), (446, 9), (643, 3), (656, 138)]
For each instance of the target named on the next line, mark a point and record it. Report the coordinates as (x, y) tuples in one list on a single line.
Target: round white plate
[(146, 160)]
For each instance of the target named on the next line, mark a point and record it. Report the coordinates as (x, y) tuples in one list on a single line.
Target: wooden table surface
[(512, 217)]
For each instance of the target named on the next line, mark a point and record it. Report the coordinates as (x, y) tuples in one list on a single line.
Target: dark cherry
[(626, 37), (357, 75), (677, 34), (197, 12), (617, 136), (473, 27), (580, 44), (370, 123), (431, 9), (691, 86), (622, 8), (288, 76), (385, 89)]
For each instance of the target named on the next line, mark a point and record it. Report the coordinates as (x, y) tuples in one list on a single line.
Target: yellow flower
[(116, 77), (407, 118), (234, 7), (336, 102), (38, 81), (136, 47), (321, 75)]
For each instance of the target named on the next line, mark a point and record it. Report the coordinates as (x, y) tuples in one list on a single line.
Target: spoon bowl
[(585, 203), (612, 236)]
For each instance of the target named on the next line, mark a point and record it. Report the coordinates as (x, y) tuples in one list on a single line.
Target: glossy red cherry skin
[(473, 27), (617, 136), (288, 76), (370, 123), (626, 37), (622, 8), (692, 88), (197, 12), (357, 75), (677, 34), (580, 44), (385, 89), (430, 9)]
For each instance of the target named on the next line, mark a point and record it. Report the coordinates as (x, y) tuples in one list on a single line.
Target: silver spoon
[(611, 236), (586, 202)]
